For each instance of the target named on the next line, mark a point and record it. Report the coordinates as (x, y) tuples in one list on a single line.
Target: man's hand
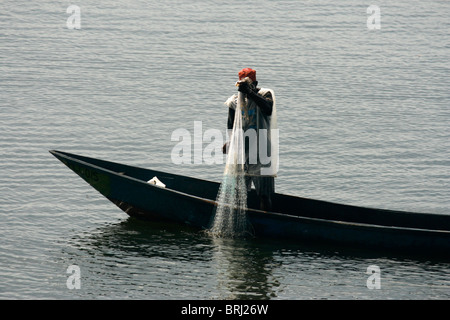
[(225, 148), (244, 87)]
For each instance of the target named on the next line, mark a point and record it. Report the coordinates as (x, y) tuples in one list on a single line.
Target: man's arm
[(230, 123), (231, 113), (265, 103)]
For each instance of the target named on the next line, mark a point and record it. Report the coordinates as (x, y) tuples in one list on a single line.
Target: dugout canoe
[(191, 201)]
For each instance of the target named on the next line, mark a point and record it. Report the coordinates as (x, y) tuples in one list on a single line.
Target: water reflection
[(133, 238), (244, 271), (164, 261), (227, 268)]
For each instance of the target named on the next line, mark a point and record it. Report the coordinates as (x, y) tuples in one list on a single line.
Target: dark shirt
[(265, 103)]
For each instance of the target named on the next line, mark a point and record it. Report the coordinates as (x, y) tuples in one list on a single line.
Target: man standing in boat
[(259, 124)]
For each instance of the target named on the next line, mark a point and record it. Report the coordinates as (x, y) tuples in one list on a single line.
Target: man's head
[(248, 73)]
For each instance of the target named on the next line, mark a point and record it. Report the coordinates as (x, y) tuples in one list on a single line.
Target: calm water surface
[(364, 119)]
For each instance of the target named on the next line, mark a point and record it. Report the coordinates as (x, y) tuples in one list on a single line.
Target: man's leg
[(265, 187), (248, 183)]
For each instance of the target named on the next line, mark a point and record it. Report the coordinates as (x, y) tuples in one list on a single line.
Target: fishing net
[(230, 215)]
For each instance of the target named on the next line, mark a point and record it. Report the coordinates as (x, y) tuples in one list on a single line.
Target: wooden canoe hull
[(190, 201)]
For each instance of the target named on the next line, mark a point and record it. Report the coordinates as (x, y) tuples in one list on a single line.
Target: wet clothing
[(260, 138), (256, 124)]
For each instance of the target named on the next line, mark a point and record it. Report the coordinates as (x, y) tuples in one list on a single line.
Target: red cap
[(247, 72)]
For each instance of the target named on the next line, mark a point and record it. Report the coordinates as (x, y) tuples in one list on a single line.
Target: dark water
[(364, 119)]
